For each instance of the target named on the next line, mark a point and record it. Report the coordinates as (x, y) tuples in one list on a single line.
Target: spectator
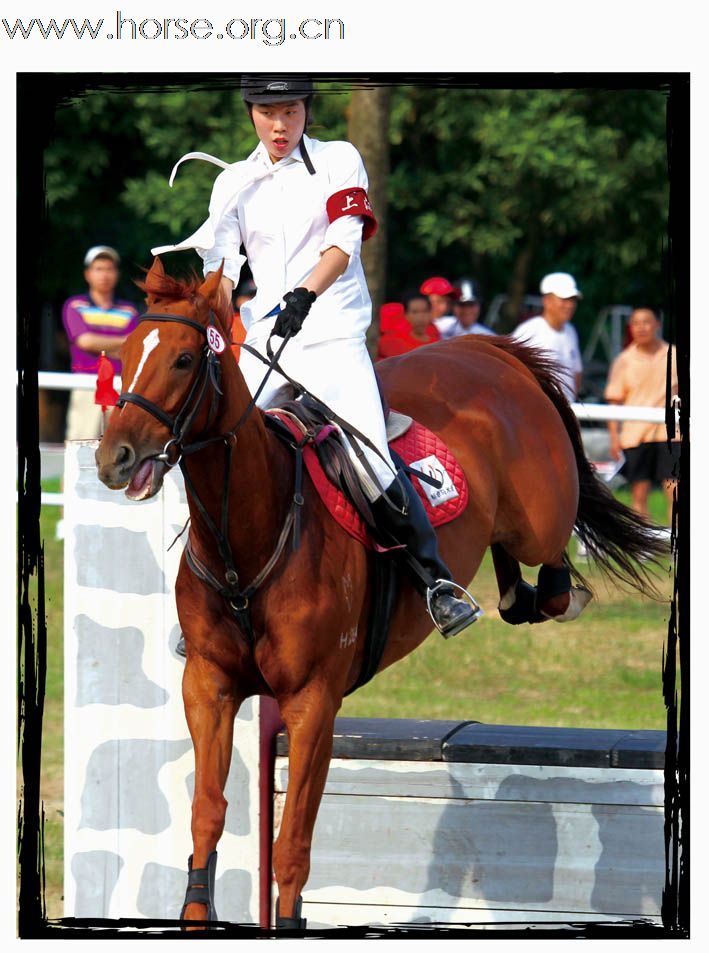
[(467, 311), (552, 329), (95, 322), (442, 295), (638, 377), (391, 318), (417, 330)]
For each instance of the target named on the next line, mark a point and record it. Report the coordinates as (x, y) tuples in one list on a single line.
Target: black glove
[(290, 319)]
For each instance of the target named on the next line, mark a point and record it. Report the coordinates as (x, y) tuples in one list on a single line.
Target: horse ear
[(156, 269), (209, 288), (152, 278)]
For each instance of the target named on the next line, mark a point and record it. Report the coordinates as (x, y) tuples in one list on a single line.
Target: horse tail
[(620, 541)]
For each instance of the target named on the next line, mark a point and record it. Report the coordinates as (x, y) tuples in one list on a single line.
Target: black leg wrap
[(200, 887), (290, 923), (552, 582), (524, 608)]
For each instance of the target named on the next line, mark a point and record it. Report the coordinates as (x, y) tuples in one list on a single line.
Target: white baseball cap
[(97, 250), (561, 284)]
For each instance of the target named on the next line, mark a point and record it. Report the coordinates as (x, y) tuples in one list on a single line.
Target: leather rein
[(209, 372)]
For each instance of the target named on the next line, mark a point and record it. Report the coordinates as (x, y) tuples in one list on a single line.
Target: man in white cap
[(95, 322), (552, 329)]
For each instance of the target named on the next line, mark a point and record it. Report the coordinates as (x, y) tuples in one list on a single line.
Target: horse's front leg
[(309, 717), (211, 704)]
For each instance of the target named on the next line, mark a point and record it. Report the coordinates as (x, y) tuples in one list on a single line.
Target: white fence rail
[(55, 380), (59, 380)]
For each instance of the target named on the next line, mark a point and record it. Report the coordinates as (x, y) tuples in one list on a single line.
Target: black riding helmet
[(263, 89), (260, 88)]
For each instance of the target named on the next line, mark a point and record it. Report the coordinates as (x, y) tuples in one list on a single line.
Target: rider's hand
[(290, 319)]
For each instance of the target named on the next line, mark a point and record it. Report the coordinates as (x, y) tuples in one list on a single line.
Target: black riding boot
[(409, 524)]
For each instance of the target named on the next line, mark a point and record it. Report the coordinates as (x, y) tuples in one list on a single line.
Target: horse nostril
[(125, 456)]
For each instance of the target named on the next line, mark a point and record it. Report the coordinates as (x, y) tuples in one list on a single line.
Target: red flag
[(105, 394)]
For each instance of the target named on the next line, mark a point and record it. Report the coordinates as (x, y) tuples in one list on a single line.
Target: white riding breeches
[(340, 373)]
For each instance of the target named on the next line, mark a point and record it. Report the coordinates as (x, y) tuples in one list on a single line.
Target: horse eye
[(183, 361)]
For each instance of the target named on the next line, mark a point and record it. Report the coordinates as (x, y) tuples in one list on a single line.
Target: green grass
[(602, 671)]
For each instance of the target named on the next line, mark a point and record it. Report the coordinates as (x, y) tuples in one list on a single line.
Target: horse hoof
[(579, 598)]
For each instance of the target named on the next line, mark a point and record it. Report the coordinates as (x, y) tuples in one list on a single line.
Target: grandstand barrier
[(422, 822)]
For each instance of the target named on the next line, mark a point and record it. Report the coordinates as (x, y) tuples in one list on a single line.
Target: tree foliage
[(500, 184), (568, 180)]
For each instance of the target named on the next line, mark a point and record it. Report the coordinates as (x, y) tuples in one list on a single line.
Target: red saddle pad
[(420, 449)]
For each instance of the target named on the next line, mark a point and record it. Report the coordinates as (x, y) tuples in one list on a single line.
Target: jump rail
[(421, 822)]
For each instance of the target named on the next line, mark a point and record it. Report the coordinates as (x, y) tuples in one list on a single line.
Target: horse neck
[(257, 489)]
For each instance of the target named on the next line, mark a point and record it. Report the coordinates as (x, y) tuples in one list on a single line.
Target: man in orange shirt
[(638, 377)]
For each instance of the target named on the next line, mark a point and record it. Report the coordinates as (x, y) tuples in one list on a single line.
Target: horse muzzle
[(141, 477)]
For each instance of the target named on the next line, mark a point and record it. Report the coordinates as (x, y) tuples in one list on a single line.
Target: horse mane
[(166, 288), (539, 361)]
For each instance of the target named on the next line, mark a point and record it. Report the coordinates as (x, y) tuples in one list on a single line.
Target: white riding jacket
[(277, 211)]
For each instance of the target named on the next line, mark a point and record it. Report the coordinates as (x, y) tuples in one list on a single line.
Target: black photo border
[(39, 95)]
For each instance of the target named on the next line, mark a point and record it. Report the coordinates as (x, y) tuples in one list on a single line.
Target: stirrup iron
[(444, 585)]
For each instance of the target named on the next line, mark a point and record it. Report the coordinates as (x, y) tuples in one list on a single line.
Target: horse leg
[(210, 707), (517, 598), (552, 598), (309, 718)]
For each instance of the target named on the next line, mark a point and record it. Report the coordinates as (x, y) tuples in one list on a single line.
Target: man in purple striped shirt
[(95, 322)]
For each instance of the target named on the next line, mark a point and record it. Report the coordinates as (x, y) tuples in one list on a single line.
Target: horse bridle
[(179, 426)]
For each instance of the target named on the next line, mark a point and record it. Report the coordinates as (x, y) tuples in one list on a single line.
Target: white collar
[(261, 155)]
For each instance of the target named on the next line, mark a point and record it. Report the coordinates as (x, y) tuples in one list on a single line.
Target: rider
[(300, 209)]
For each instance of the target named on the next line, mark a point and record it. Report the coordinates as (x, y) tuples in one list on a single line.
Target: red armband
[(353, 202)]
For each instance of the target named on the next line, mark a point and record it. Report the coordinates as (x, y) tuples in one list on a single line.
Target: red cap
[(438, 286)]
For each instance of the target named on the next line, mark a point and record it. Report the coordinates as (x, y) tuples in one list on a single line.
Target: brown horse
[(498, 408)]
